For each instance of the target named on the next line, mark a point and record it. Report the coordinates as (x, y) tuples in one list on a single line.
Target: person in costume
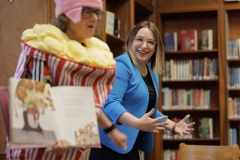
[(133, 100), (66, 53)]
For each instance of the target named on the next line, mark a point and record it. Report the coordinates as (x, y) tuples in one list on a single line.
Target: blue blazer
[(129, 94)]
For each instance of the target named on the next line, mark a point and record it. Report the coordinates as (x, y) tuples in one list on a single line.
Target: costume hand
[(183, 128), (60, 147), (118, 138), (148, 124)]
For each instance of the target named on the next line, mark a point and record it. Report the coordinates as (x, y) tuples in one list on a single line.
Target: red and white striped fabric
[(58, 71), (66, 73)]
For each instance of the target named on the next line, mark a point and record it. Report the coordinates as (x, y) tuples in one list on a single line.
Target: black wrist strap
[(109, 129), (173, 128)]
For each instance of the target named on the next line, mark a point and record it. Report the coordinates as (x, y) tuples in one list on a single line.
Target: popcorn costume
[(49, 55)]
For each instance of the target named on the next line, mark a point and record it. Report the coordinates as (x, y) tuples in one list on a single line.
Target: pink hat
[(73, 8)]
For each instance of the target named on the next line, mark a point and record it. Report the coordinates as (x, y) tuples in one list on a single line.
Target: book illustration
[(205, 128), (188, 40), (31, 101), (86, 135), (40, 115), (33, 98)]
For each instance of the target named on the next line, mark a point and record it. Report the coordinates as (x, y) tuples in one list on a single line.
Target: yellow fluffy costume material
[(51, 39)]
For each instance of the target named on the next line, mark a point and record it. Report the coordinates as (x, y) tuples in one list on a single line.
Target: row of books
[(233, 77), (168, 135), (185, 99), (233, 136), (233, 107), (233, 49), (112, 24), (193, 69), (188, 40), (171, 154)]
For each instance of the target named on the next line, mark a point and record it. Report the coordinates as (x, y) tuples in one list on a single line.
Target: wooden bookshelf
[(223, 18), (231, 11), (130, 13), (172, 15), (176, 16)]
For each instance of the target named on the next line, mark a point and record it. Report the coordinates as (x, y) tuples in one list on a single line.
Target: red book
[(189, 40)]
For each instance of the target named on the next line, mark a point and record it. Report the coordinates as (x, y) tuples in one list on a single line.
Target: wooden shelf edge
[(233, 89), (191, 110), (231, 5), (233, 60), (188, 8), (183, 81), (114, 39), (192, 139), (193, 52), (234, 119)]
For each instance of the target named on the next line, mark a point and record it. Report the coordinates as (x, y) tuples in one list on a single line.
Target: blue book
[(215, 68), (110, 17), (170, 41)]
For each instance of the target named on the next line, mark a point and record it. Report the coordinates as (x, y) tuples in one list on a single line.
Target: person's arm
[(145, 123), (115, 109), (181, 127), (117, 137)]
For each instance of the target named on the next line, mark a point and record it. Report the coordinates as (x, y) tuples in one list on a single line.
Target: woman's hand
[(118, 138), (183, 128), (148, 124), (60, 147)]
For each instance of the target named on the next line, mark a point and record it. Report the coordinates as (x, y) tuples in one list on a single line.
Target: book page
[(78, 117), (33, 120)]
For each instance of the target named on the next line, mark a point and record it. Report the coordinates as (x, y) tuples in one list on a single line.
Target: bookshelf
[(232, 24), (222, 17), (130, 12), (176, 16)]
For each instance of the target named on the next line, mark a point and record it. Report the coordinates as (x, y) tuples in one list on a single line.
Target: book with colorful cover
[(189, 40), (110, 18), (207, 39), (170, 41), (40, 115), (205, 128)]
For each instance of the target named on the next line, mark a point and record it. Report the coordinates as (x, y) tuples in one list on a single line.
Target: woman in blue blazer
[(132, 102)]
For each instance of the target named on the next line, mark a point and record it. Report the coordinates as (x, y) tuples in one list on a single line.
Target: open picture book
[(40, 115)]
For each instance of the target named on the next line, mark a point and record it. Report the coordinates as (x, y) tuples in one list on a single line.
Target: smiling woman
[(132, 102), (66, 53)]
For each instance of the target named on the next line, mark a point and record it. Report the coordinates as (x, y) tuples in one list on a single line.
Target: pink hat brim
[(74, 14)]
